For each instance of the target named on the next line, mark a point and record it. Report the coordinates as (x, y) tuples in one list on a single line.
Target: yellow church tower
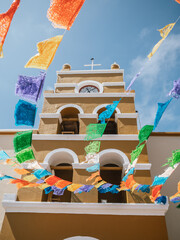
[(79, 96)]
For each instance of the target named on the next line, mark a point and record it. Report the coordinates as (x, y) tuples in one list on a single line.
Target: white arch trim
[(70, 106), (113, 156), (89, 82), (103, 106), (61, 155)]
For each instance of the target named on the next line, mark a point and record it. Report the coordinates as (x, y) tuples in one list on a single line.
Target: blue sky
[(108, 30)]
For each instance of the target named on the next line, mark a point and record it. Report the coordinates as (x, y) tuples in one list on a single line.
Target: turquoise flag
[(161, 109)]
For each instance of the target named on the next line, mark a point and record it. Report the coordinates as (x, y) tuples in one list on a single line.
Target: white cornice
[(81, 137), (139, 166), (125, 115), (90, 115), (143, 166), (85, 95), (70, 85), (107, 84), (49, 115), (84, 72), (130, 209), (62, 85)]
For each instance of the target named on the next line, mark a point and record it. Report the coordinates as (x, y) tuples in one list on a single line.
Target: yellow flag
[(47, 50), (166, 30), (43, 186), (74, 187), (29, 178), (155, 48), (164, 33), (100, 184)]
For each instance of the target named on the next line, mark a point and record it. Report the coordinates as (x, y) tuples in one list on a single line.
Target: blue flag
[(161, 108)]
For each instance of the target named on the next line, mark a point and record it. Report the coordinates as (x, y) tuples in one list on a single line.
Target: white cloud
[(156, 80), (144, 32), (166, 55)]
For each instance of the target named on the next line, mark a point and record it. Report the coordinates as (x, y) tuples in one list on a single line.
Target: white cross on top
[(92, 65)]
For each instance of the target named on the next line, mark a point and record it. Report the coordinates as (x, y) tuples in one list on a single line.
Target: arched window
[(60, 162), (64, 171), (111, 173), (70, 121), (112, 162), (111, 127)]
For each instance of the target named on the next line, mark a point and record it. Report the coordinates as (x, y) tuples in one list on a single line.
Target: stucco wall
[(95, 77), (159, 149), (42, 147), (6, 143), (30, 226), (51, 105)]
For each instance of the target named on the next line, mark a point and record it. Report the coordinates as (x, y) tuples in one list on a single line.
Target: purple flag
[(175, 92), (30, 88), (58, 191), (85, 188)]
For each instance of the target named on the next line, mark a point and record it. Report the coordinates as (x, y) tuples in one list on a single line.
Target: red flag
[(62, 13), (5, 22)]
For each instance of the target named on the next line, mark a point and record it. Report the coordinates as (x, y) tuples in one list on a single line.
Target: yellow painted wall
[(28, 226), (94, 77)]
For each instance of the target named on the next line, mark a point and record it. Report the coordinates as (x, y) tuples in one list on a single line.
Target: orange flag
[(47, 50), (178, 1), (62, 13), (21, 171), (5, 22)]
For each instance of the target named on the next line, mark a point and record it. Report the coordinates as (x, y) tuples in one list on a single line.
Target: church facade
[(58, 144)]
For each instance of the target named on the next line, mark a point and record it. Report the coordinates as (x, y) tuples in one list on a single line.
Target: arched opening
[(64, 171), (111, 173), (69, 121), (60, 162), (111, 127), (112, 162)]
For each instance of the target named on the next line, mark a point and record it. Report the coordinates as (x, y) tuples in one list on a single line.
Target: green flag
[(145, 133), (93, 147), (135, 153), (94, 131), (174, 159), (22, 140), (25, 155)]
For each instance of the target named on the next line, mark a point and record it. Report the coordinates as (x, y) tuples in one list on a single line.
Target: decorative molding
[(82, 166), (65, 85), (81, 137), (110, 84), (143, 166), (84, 72), (70, 106), (89, 82), (125, 115), (88, 116), (61, 155), (103, 106), (49, 115), (88, 95), (128, 209), (14, 131), (114, 156)]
